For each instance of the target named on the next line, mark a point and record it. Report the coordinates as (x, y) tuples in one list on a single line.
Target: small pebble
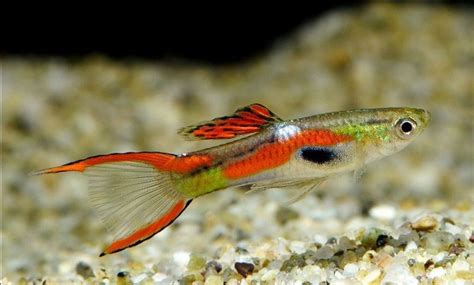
[(123, 278), (411, 246), (295, 260), (437, 241), (181, 258), (84, 270), (158, 277), (439, 257), (214, 265), (297, 247), (436, 272), (331, 241), (188, 279), (453, 229), (370, 239), (381, 240), (324, 252), (350, 270), (228, 274), (455, 249), (349, 257), (429, 263), (139, 278), (196, 262), (460, 264), (383, 212), (269, 275), (345, 243), (214, 280), (232, 281), (284, 215), (425, 224), (243, 268), (405, 239), (465, 274), (372, 276)]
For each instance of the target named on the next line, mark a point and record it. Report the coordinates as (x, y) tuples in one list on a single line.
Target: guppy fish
[(138, 194)]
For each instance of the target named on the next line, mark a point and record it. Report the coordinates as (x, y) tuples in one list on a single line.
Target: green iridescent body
[(202, 182)]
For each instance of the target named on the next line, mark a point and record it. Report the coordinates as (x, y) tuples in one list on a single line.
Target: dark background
[(218, 35)]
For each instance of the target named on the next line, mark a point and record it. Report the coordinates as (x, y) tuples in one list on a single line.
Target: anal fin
[(301, 186)]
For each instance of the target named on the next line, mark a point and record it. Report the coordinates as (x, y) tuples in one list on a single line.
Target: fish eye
[(405, 127)]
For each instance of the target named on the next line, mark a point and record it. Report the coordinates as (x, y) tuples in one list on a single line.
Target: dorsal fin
[(246, 120)]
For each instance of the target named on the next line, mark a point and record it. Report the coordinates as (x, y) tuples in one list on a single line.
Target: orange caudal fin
[(149, 230), (134, 193), (246, 120), (135, 200), (159, 160)]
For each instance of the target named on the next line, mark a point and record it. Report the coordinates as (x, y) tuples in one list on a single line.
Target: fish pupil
[(406, 127), (318, 155)]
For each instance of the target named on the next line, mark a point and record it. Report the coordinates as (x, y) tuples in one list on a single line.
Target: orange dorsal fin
[(246, 120)]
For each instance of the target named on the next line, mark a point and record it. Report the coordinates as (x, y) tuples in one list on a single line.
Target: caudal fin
[(134, 193)]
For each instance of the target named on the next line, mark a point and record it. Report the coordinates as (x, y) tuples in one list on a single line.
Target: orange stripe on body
[(147, 232), (161, 161), (278, 153)]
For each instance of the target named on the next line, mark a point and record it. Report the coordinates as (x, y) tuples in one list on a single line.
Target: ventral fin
[(246, 120)]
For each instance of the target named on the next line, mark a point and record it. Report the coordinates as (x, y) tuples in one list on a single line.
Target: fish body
[(139, 194)]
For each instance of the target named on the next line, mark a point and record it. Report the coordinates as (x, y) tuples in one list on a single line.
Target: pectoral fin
[(247, 120)]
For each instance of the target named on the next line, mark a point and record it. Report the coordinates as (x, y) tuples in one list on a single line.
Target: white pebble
[(436, 272), (339, 275), (181, 258), (297, 247), (159, 277), (450, 228), (342, 282), (320, 239), (214, 280), (383, 212), (270, 275), (139, 278), (411, 246), (351, 269), (399, 273), (313, 274), (372, 276), (460, 265), (440, 256), (232, 282)]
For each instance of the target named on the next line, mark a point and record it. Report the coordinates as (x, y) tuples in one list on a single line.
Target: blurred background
[(77, 85)]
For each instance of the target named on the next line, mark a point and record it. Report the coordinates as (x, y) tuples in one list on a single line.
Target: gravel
[(409, 219)]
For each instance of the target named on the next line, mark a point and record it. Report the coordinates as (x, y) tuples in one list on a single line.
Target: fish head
[(394, 129)]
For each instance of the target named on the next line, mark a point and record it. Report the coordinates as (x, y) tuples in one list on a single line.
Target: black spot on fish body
[(318, 155)]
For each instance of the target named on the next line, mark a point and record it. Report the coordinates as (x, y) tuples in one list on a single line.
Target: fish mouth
[(422, 116), (425, 117)]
